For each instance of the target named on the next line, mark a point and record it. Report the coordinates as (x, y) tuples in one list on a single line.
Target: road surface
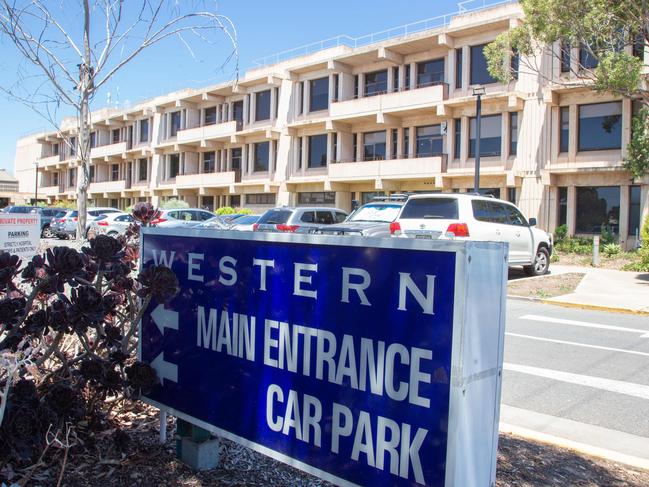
[(580, 376)]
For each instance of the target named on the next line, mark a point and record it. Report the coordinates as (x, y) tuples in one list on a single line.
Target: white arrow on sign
[(165, 370), (164, 318)]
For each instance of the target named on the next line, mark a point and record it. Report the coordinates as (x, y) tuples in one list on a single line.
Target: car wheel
[(113, 233), (47, 232), (541, 263)]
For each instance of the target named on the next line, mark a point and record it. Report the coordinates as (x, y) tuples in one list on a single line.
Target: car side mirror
[(532, 222)]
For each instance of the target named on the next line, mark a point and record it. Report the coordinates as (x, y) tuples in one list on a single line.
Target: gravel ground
[(545, 286)]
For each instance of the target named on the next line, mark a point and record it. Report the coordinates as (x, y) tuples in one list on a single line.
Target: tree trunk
[(85, 88)]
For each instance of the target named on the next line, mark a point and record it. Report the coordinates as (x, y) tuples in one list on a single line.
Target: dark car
[(48, 215), (19, 209), (370, 220)]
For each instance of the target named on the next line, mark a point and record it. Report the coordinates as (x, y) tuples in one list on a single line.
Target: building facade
[(346, 123)]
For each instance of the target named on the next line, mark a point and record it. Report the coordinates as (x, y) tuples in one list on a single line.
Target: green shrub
[(225, 210), (606, 236), (575, 245), (642, 264), (174, 203), (644, 234), (560, 233), (243, 211), (611, 249)]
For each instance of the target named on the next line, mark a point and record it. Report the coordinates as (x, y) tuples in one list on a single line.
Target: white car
[(474, 217)]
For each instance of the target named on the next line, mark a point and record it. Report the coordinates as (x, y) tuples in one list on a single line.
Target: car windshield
[(375, 213), (275, 216), (431, 208)]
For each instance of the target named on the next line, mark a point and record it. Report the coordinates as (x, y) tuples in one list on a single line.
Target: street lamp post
[(36, 186), (477, 91)]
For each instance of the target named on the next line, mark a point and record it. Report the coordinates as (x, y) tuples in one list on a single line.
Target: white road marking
[(585, 324), (610, 385), (577, 344)]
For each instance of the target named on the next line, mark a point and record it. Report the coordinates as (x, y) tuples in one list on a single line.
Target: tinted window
[(458, 68), (634, 210), (596, 207), (479, 73), (600, 126), (262, 107), (458, 138), (210, 116), (498, 212), (204, 215), (563, 206), (262, 151), (318, 150), (144, 130), (308, 217), (124, 218), (374, 146), (433, 208), (174, 214), (275, 216), (324, 217), (564, 134), (514, 217), (340, 217), (481, 210), (429, 141), (376, 213), (175, 123), (319, 95), (513, 133), (430, 73), (376, 83), (490, 136)]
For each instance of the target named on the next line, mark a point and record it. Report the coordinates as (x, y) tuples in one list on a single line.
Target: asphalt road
[(579, 375)]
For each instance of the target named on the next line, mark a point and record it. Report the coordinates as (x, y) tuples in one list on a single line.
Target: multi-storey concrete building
[(346, 122)]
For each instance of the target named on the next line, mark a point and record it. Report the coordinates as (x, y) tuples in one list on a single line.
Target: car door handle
[(518, 234)]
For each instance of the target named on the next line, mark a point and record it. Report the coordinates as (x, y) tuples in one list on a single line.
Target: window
[(91, 173), (276, 107), (597, 207), (142, 169), (638, 46), (407, 80), (73, 146), (564, 130), (114, 172), (514, 217), (395, 137), (587, 60), (235, 201), (300, 146), (55, 179), (562, 217), (406, 142), (430, 209), (634, 210), (260, 199), (316, 198), (319, 94), (237, 111), (308, 217), (209, 161), (376, 83), (93, 139), (514, 64), (395, 78), (490, 136), (175, 124), (430, 73), (374, 146), (115, 136), (262, 105), (210, 116), (429, 141), (356, 92), (513, 133), (367, 196), (324, 218), (355, 146), (317, 151), (55, 149), (236, 158), (144, 130), (458, 69), (174, 165), (458, 138), (334, 144), (565, 57), (511, 195), (479, 72), (72, 177), (600, 126), (261, 155), (336, 86)]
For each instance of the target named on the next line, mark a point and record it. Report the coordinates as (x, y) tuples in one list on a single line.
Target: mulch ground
[(141, 461), (545, 286)]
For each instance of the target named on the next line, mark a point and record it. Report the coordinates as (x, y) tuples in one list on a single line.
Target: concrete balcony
[(50, 190), (109, 150), (49, 161), (406, 168), (207, 132), (399, 102), (208, 179), (108, 186)]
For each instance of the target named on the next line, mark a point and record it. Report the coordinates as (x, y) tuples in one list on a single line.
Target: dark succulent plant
[(104, 249), (159, 282), (145, 212), (11, 311), (141, 377), (9, 265)]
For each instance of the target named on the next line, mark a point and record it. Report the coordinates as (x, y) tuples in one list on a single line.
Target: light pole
[(36, 185), (477, 91)]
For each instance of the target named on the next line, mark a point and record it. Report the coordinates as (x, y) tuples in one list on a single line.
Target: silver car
[(66, 226), (298, 220), (112, 224), (370, 220), (245, 223), (181, 217)]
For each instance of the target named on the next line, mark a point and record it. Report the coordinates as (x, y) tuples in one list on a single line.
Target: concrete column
[(388, 145), (390, 79), (305, 97), (332, 88), (466, 71), (504, 139), (624, 215), (244, 159), (554, 208), (573, 139), (361, 83), (253, 107), (571, 213), (450, 70), (330, 141), (246, 112), (411, 142), (402, 77), (273, 102), (271, 158), (464, 142), (344, 200), (305, 153), (413, 75)]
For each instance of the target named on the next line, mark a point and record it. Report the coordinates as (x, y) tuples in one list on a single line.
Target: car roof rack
[(392, 197)]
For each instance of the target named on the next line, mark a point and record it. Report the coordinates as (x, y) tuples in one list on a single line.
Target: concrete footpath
[(605, 289)]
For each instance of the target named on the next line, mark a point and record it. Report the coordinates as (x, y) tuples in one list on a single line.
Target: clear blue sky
[(263, 28)]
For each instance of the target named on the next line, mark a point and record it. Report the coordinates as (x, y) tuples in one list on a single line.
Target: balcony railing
[(403, 167), (108, 150), (223, 178), (206, 132), (108, 186)]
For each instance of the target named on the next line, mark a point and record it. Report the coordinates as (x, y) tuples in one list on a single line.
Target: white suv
[(469, 216)]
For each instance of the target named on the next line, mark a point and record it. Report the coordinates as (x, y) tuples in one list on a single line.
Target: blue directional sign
[(334, 354)]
